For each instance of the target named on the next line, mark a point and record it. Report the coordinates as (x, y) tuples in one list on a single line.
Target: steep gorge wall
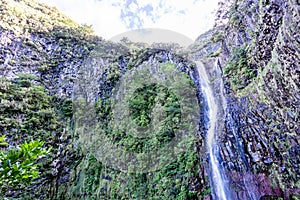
[(41, 53), (43, 50), (261, 69)]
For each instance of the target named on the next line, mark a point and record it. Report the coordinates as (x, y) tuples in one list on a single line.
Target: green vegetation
[(27, 110), (37, 18), (239, 71), (39, 39), (19, 167), (145, 98), (218, 36), (140, 106), (2, 143), (30, 115), (93, 179), (173, 181)]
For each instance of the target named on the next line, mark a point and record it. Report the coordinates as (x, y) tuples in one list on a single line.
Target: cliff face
[(254, 48), (37, 62), (260, 62), (261, 49)]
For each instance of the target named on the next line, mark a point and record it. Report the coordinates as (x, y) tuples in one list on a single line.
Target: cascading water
[(218, 179)]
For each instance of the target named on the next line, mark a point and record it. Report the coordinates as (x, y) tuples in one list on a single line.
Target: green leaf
[(2, 143)]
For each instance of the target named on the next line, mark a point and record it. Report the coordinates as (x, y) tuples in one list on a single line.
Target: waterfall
[(217, 177)]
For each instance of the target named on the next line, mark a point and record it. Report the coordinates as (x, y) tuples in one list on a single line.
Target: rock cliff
[(253, 48)]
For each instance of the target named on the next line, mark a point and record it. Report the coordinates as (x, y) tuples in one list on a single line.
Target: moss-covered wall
[(43, 53)]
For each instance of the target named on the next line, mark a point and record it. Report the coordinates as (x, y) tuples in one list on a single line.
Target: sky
[(110, 18)]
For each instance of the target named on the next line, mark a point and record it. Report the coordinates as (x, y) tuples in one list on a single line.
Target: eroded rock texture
[(261, 48), (254, 48)]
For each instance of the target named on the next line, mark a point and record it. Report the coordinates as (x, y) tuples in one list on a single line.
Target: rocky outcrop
[(260, 145), (257, 49), (41, 50)]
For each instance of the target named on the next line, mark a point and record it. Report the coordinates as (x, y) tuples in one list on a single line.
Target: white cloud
[(196, 17)]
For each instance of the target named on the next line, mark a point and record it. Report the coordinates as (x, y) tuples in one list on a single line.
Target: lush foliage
[(29, 115), (141, 107), (173, 181), (27, 110), (239, 70), (38, 17), (96, 180), (18, 165)]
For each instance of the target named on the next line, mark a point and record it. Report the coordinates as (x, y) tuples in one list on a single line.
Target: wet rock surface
[(262, 124), (260, 140)]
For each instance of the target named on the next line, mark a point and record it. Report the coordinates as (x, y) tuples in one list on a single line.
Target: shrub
[(18, 165)]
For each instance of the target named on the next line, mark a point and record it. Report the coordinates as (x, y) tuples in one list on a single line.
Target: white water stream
[(217, 178)]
